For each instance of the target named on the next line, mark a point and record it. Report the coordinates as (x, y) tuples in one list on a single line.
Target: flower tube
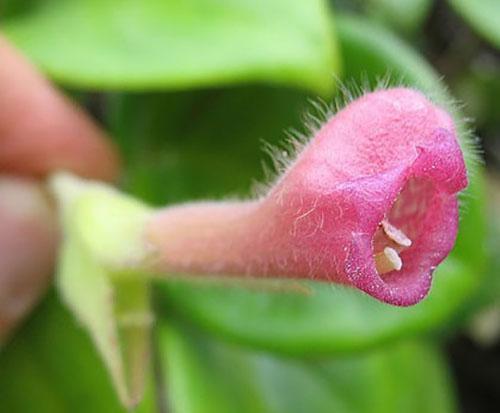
[(370, 202)]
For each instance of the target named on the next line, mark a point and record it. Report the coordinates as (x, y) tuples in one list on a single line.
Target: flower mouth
[(403, 226), (411, 233), (422, 213), (395, 263)]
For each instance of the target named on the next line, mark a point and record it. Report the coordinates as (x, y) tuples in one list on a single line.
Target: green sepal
[(100, 278)]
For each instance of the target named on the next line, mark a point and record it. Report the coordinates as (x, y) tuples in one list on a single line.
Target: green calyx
[(102, 277)]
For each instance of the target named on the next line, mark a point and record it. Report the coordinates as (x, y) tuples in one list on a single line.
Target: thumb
[(41, 131), (28, 239)]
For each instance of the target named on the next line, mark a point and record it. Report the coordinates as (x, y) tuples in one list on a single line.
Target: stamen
[(388, 261), (395, 234)]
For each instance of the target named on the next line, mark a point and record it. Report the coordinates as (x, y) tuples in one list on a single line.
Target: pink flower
[(370, 202)]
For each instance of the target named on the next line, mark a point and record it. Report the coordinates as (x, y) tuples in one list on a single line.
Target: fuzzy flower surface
[(370, 202)]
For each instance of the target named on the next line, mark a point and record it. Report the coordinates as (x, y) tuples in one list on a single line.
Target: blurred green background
[(190, 89)]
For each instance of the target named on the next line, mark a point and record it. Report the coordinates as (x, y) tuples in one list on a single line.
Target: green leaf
[(406, 16), (99, 278), (209, 376), (479, 87), (10, 8), (482, 15), (372, 52), (150, 44), (51, 366), (199, 145), (331, 319)]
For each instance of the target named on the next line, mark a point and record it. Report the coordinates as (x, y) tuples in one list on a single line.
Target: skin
[(41, 131)]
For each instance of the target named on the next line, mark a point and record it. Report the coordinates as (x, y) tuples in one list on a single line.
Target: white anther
[(395, 234), (388, 260)]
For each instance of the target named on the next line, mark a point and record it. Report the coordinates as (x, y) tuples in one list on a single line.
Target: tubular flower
[(370, 202)]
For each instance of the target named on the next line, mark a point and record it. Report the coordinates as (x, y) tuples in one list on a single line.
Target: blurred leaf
[(372, 52), (51, 366), (208, 144), (101, 247), (177, 44), (406, 16), (9, 8), (490, 291), (197, 145), (482, 15), (209, 376), (479, 88)]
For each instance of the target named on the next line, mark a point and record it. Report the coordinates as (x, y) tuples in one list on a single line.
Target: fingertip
[(28, 241), (41, 130)]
